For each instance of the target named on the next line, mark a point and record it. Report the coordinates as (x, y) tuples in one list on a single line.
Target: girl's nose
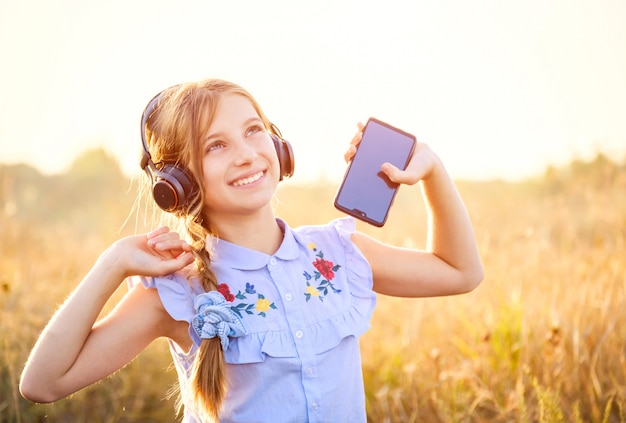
[(244, 152)]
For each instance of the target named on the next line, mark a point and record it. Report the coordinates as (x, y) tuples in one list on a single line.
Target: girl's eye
[(254, 129), (215, 146)]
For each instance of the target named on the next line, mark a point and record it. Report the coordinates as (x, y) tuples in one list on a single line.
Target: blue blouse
[(304, 309)]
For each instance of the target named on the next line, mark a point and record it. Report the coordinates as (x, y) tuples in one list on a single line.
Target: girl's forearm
[(65, 335)]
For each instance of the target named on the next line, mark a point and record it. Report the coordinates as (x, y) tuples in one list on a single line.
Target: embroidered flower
[(324, 273), (325, 267), (216, 318), (312, 291), (263, 304), (311, 246), (224, 289), (250, 288)]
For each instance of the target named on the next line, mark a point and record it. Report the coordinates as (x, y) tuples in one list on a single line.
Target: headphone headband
[(146, 158)]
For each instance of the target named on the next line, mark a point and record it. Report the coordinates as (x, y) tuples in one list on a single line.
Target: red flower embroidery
[(325, 267), (225, 291)]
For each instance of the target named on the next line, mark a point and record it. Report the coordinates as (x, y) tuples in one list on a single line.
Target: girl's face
[(240, 165)]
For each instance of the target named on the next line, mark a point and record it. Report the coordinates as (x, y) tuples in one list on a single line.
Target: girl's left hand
[(420, 165)]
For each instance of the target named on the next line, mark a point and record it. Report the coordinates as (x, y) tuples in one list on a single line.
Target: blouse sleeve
[(176, 294), (360, 273), (360, 279)]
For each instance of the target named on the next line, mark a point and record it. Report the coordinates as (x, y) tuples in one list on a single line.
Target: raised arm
[(75, 350), (451, 263)]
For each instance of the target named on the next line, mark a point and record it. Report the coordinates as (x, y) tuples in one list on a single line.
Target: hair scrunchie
[(215, 318)]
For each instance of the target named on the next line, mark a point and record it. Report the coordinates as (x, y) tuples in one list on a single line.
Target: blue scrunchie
[(215, 318)]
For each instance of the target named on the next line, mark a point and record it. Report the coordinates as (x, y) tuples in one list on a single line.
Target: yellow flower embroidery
[(311, 246), (311, 290), (263, 304)]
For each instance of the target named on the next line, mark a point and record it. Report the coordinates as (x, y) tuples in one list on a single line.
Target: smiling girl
[(263, 320)]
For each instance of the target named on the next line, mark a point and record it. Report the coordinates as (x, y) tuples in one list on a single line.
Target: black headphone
[(173, 188)]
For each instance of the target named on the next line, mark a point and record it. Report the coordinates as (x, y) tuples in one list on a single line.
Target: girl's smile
[(248, 180)]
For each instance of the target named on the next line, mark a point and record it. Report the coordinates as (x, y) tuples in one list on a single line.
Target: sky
[(499, 89)]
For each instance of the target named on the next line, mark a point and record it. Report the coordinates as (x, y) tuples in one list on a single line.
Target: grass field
[(543, 339)]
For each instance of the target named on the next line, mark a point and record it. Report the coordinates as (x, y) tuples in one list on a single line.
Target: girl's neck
[(259, 232)]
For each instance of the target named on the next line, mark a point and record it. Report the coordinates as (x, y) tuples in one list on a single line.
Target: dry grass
[(543, 339)]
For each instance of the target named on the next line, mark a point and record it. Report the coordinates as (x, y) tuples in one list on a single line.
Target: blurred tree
[(96, 165), (93, 186)]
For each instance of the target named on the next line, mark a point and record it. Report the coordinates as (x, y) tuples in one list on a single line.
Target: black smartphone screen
[(366, 193)]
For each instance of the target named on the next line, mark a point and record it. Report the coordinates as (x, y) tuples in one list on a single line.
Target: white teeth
[(248, 180)]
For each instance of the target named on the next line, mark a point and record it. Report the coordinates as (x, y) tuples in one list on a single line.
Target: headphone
[(172, 186)]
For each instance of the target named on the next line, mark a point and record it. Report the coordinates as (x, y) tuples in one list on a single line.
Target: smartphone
[(365, 192)]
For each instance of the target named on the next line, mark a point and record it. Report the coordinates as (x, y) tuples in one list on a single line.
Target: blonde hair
[(173, 133)]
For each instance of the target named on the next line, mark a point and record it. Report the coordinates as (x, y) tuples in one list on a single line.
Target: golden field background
[(543, 339)]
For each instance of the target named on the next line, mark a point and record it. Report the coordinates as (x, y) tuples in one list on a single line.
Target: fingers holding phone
[(349, 154), (419, 167)]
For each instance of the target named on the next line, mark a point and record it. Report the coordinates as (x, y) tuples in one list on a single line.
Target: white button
[(308, 371), (315, 406), (299, 334), (288, 297), (273, 261)]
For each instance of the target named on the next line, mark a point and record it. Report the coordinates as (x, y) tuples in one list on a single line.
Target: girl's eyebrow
[(244, 123)]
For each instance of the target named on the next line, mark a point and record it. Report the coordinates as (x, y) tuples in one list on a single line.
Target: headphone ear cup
[(285, 156), (172, 189)]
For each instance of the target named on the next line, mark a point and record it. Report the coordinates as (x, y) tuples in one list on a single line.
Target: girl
[(262, 320)]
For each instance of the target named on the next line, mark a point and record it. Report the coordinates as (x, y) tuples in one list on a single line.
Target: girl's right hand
[(157, 253)]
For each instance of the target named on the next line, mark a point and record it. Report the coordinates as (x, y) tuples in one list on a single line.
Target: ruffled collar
[(238, 257)]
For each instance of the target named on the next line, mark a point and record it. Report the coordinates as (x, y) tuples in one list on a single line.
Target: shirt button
[(273, 261), (315, 406), (308, 371), (299, 334), (288, 297)]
